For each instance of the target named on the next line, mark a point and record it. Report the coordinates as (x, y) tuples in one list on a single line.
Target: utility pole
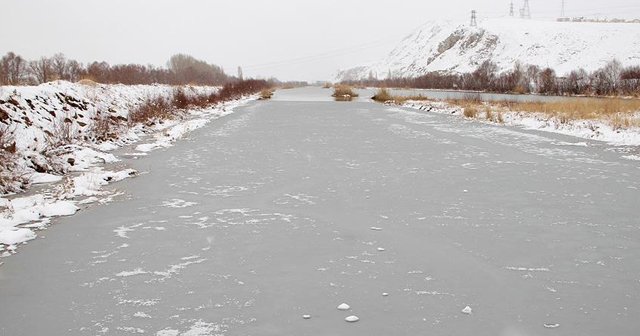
[(474, 22), (511, 13), (525, 12)]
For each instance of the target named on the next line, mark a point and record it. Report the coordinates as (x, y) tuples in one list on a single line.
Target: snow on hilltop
[(459, 48)]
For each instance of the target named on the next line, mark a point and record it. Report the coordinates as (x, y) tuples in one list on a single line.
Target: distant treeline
[(180, 70), (611, 80)]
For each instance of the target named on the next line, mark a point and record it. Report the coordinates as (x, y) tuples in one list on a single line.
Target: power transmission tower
[(474, 22), (511, 13), (525, 12), (562, 14)]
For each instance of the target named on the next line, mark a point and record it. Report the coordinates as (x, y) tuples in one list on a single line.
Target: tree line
[(181, 69), (611, 80)]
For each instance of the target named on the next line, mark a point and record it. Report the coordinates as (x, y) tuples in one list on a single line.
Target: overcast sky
[(288, 39)]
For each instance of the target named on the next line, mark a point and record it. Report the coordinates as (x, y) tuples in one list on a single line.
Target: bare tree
[(41, 70), (60, 66), (189, 70), (75, 70), (12, 69), (547, 82), (610, 76)]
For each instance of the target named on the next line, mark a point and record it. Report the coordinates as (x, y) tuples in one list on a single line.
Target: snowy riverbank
[(586, 129), (51, 135)]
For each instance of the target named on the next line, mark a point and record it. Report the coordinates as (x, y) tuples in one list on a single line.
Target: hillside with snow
[(51, 134), (455, 47)]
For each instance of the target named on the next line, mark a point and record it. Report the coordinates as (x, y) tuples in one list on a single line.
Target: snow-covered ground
[(587, 129), (457, 47), (34, 117)]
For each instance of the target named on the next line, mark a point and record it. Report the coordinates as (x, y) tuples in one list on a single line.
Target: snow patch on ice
[(137, 271)]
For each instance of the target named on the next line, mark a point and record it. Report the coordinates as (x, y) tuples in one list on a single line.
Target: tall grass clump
[(470, 111), (266, 94), (383, 96), (343, 93)]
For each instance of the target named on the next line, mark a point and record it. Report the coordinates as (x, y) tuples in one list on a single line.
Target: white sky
[(288, 39)]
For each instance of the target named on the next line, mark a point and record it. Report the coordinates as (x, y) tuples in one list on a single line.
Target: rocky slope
[(455, 47)]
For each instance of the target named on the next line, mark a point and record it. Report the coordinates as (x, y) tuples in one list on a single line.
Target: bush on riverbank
[(383, 96), (343, 93)]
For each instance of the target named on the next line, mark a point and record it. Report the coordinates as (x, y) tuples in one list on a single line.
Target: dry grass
[(402, 99), (266, 94), (580, 108), (470, 110), (383, 96), (343, 93), (488, 113), (618, 112), (87, 82)]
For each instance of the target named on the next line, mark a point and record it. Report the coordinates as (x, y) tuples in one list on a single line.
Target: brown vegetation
[(158, 108), (151, 110), (470, 111), (343, 93), (620, 113), (383, 96), (104, 128), (611, 80), (266, 94)]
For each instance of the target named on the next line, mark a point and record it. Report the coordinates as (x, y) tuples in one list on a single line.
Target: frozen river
[(293, 206)]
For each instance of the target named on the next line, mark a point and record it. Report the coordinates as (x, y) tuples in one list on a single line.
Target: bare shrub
[(238, 89), (152, 110), (11, 179), (61, 134), (180, 99)]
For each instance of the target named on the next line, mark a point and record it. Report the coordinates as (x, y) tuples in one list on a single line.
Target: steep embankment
[(64, 132), (455, 47)]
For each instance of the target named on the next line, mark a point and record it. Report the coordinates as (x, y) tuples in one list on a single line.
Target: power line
[(320, 56)]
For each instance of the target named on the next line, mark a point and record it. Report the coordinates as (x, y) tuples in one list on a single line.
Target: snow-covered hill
[(456, 47)]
